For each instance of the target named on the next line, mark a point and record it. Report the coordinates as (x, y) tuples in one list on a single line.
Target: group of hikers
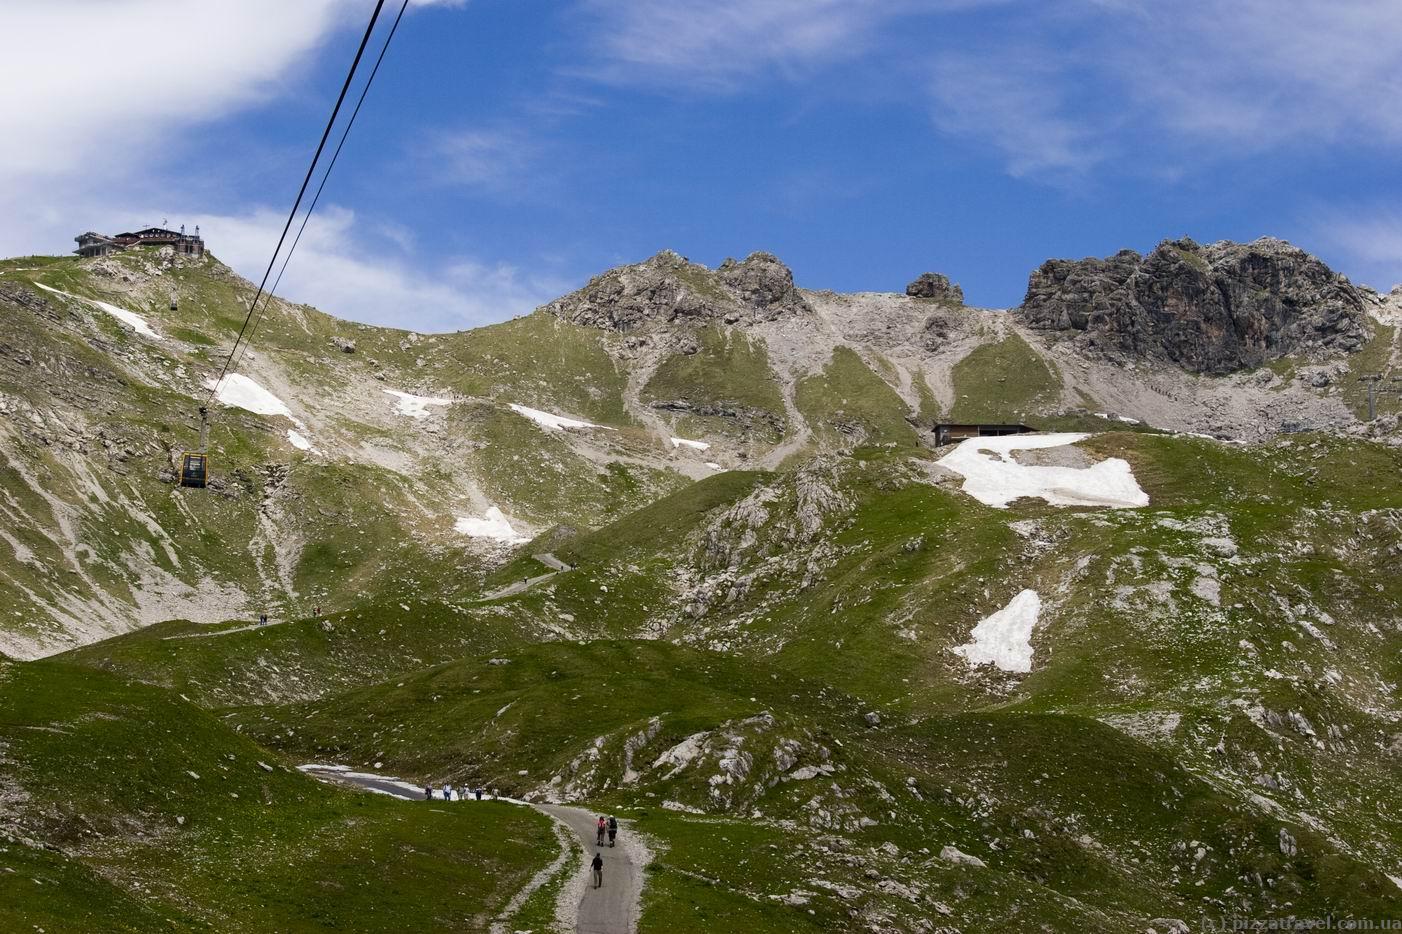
[(465, 793), (606, 826)]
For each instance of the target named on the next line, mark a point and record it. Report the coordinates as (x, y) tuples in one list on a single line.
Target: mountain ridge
[(739, 359)]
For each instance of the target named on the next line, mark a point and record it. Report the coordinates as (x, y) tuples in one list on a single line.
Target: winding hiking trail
[(616, 905), (556, 567), (613, 908)]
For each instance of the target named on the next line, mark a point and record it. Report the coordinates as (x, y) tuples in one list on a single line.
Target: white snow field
[(298, 440), (1005, 638), (695, 445), (994, 478), (241, 392), (554, 422), (130, 318), (414, 406), (493, 525)]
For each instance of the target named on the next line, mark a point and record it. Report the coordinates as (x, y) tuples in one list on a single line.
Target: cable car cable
[(311, 169), (267, 300)]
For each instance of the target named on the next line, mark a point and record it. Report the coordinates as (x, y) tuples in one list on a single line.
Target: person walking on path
[(428, 792), (603, 827), (613, 828), (598, 867), (262, 619)]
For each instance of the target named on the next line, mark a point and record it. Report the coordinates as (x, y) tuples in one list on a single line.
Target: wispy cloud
[(1015, 103), (500, 160), (720, 45), (1367, 244), (1054, 89), (1253, 74)]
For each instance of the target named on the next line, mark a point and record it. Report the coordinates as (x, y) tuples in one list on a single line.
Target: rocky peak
[(669, 288), (1209, 309), (760, 280), (937, 286)]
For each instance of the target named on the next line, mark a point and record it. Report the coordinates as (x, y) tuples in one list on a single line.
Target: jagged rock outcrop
[(937, 286), (1210, 309), (669, 288)]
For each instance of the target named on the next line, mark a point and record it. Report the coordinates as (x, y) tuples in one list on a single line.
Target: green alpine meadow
[(855, 612)]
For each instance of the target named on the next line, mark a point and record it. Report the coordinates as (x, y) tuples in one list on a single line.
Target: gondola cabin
[(194, 470)]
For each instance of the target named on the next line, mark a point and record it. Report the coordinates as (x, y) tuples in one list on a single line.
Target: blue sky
[(512, 148)]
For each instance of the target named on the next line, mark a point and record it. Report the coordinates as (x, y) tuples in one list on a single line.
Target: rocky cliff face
[(1210, 309), (668, 288)]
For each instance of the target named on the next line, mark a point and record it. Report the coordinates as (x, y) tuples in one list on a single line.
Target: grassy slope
[(730, 371), (133, 402), (159, 811), (1003, 382), (540, 361), (908, 557), (304, 658), (848, 399), (1080, 823)]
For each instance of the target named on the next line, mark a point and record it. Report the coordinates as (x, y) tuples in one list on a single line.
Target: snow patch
[(298, 440), (1004, 639), (695, 445), (130, 318), (994, 478), (714, 466), (241, 392), (414, 406), (493, 524), (554, 422)]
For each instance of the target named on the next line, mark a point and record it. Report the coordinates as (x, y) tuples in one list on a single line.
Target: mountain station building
[(96, 244)]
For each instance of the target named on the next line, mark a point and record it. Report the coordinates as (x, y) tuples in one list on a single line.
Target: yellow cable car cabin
[(194, 470)]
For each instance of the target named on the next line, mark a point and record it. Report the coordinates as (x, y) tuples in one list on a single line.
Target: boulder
[(937, 286), (1209, 309), (958, 857)]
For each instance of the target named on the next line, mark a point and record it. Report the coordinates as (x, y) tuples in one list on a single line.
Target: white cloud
[(350, 270), (98, 98), (86, 84)]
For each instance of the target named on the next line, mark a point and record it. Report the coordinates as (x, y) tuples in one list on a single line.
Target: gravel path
[(613, 908), (521, 586)]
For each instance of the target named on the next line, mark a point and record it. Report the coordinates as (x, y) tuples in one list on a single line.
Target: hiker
[(613, 828), (428, 792), (598, 866), (603, 826), (447, 792), (478, 792), (262, 619)]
